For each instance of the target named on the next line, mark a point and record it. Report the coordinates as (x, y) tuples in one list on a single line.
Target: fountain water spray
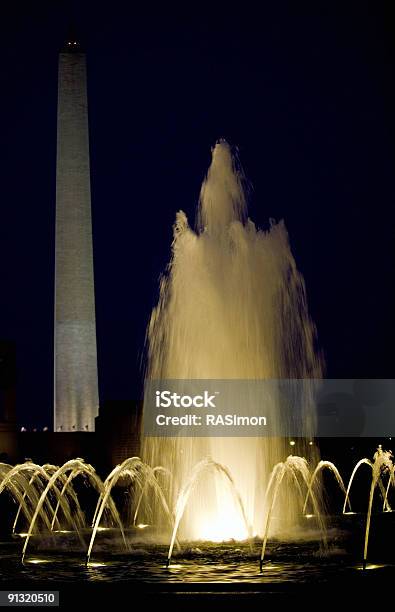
[(200, 471), (382, 464), (328, 465), (232, 305), (296, 467), (36, 488)]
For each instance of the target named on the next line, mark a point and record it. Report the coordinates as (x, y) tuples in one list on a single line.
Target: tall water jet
[(232, 305)]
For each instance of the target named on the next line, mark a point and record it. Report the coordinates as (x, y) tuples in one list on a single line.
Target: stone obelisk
[(76, 398)]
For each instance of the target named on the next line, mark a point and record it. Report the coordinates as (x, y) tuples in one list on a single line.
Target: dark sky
[(306, 91)]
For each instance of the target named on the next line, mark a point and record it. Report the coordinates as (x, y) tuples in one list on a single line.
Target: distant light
[(37, 561), (310, 443), (292, 443), (95, 564), (309, 516), (23, 429), (45, 428), (142, 526)]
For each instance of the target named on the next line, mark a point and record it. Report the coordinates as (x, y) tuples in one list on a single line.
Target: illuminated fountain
[(49, 506), (232, 305)]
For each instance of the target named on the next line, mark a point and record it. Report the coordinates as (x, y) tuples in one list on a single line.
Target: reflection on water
[(198, 563)]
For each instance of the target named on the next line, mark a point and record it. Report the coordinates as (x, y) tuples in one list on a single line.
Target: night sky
[(307, 93)]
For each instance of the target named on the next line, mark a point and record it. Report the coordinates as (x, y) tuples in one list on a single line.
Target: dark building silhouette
[(117, 432)]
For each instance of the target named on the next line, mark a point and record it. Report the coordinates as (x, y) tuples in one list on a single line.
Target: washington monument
[(75, 369)]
